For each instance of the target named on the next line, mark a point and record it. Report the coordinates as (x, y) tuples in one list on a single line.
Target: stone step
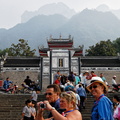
[(11, 106)]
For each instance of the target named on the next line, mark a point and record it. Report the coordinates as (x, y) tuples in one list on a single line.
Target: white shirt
[(114, 82), (27, 111), (34, 96)]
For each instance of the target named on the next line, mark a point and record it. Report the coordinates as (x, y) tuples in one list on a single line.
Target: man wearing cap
[(114, 83), (103, 107)]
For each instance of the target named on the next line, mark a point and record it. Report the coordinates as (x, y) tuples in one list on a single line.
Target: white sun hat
[(96, 80)]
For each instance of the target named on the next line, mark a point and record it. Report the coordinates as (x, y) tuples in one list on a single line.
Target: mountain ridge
[(86, 27)]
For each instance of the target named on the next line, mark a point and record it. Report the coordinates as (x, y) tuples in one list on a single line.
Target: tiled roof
[(22, 62)]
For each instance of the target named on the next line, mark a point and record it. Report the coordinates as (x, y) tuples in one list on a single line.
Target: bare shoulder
[(75, 115)]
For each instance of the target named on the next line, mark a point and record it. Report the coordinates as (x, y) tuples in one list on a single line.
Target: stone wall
[(18, 76), (108, 74)]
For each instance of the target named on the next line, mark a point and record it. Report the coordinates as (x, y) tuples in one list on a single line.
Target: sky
[(11, 10)]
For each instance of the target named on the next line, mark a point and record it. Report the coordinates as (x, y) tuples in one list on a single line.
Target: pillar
[(50, 66), (69, 52)]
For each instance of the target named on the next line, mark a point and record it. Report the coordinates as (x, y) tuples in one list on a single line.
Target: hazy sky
[(11, 10)]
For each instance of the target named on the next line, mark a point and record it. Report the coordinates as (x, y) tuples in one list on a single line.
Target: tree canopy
[(3, 52), (104, 48), (116, 44), (21, 49)]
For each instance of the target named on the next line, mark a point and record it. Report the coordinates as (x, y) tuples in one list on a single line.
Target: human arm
[(33, 114), (23, 114), (79, 102), (57, 115)]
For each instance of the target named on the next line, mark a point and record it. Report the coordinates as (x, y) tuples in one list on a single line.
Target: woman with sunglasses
[(103, 107), (67, 104)]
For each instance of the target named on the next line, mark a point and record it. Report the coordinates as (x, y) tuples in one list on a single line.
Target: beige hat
[(96, 80)]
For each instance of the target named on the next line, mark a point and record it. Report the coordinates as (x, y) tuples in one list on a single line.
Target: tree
[(3, 52), (104, 48), (117, 44), (21, 49)]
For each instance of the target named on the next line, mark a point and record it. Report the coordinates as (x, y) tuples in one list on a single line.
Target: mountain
[(49, 9), (105, 8), (87, 27), (35, 30), (90, 26)]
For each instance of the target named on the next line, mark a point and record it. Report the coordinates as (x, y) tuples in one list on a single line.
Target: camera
[(42, 105)]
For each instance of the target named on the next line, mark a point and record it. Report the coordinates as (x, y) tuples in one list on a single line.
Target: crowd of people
[(66, 97), (27, 85)]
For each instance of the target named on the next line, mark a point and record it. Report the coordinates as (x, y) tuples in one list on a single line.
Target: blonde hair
[(70, 97)]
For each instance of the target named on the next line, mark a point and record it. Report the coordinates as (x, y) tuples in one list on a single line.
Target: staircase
[(86, 113), (11, 105)]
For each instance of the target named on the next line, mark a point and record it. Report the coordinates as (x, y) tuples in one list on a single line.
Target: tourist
[(67, 104), (93, 74), (77, 99), (58, 80), (114, 83), (71, 77), (77, 79), (56, 75), (7, 83), (77, 86), (33, 110), (83, 79), (83, 96), (26, 113), (52, 96), (87, 77), (67, 81), (116, 101), (28, 81), (103, 107), (69, 87), (116, 114), (102, 77), (34, 95)]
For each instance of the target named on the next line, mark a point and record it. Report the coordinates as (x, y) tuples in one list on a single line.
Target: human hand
[(48, 106), (40, 110)]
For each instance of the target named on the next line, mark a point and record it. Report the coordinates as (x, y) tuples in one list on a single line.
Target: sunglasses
[(48, 94), (94, 86)]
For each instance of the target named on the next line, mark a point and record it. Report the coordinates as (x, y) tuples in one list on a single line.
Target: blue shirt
[(69, 87), (56, 104), (102, 109), (81, 92), (6, 84)]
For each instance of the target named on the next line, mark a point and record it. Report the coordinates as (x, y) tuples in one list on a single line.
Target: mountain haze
[(105, 8), (86, 27), (36, 30), (49, 9), (90, 26)]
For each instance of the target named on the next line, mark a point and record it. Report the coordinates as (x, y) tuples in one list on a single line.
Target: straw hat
[(96, 80)]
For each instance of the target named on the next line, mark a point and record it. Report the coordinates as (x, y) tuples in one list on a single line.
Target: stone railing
[(101, 68), (20, 69)]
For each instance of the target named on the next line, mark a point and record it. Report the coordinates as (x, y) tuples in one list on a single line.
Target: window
[(60, 62)]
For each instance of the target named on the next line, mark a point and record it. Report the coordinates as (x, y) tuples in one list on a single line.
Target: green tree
[(104, 48), (117, 44), (21, 49), (3, 52)]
